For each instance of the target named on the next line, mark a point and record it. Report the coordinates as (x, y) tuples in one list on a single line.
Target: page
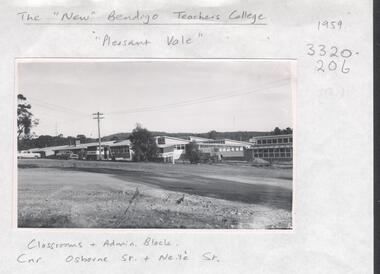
[(166, 137)]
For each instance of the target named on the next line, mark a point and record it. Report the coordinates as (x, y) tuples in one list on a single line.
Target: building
[(224, 149), (90, 151), (271, 148), (46, 152), (197, 139), (121, 150), (171, 148)]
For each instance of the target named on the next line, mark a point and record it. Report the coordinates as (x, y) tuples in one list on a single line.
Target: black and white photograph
[(155, 143)]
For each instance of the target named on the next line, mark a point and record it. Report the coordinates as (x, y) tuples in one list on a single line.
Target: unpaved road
[(92, 194)]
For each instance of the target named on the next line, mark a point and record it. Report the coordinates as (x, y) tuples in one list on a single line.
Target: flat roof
[(273, 136), (170, 137), (85, 145), (121, 143)]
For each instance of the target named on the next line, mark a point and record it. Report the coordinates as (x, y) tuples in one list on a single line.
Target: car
[(26, 154), (68, 155), (74, 156)]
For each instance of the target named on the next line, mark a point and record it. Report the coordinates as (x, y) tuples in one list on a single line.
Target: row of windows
[(179, 146), (266, 150), (161, 140), (231, 149), (120, 150), (275, 141), (214, 142), (273, 155)]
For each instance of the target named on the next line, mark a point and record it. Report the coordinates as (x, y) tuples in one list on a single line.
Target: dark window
[(161, 141), (264, 141)]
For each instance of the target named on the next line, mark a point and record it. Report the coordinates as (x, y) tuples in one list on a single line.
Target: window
[(291, 140), (269, 141), (259, 142), (274, 141), (279, 141), (264, 141), (285, 140), (161, 140)]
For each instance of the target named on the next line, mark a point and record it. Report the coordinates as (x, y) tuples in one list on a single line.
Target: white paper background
[(333, 165)]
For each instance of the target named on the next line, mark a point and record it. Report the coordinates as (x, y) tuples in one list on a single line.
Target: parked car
[(67, 155), (74, 156), (26, 154)]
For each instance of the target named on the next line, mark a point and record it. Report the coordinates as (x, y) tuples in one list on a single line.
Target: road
[(234, 185)]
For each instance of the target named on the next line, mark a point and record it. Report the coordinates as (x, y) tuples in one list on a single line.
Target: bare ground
[(150, 195)]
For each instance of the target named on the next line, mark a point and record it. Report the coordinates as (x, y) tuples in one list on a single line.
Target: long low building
[(271, 148), (173, 148), (117, 150)]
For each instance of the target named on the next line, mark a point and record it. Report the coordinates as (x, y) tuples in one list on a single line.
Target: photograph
[(154, 143)]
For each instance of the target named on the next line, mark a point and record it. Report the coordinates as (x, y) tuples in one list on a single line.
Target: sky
[(162, 95)]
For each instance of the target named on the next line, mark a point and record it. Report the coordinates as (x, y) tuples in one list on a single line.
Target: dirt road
[(92, 194)]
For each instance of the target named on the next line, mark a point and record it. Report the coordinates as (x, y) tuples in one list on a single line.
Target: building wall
[(122, 152), (272, 148), (223, 151)]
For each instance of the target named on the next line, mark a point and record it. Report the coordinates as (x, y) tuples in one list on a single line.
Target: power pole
[(99, 116)]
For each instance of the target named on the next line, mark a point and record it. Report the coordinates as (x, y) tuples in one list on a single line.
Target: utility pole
[(99, 116)]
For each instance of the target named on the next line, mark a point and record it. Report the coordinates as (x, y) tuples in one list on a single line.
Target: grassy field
[(84, 194)]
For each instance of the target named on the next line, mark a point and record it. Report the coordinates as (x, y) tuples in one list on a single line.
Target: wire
[(55, 107), (198, 100)]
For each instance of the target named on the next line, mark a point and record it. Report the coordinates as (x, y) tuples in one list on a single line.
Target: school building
[(271, 148)]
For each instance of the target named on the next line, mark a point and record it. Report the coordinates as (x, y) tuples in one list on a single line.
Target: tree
[(25, 121), (212, 134), (82, 138), (143, 144), (193, 153), (277, 131)]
